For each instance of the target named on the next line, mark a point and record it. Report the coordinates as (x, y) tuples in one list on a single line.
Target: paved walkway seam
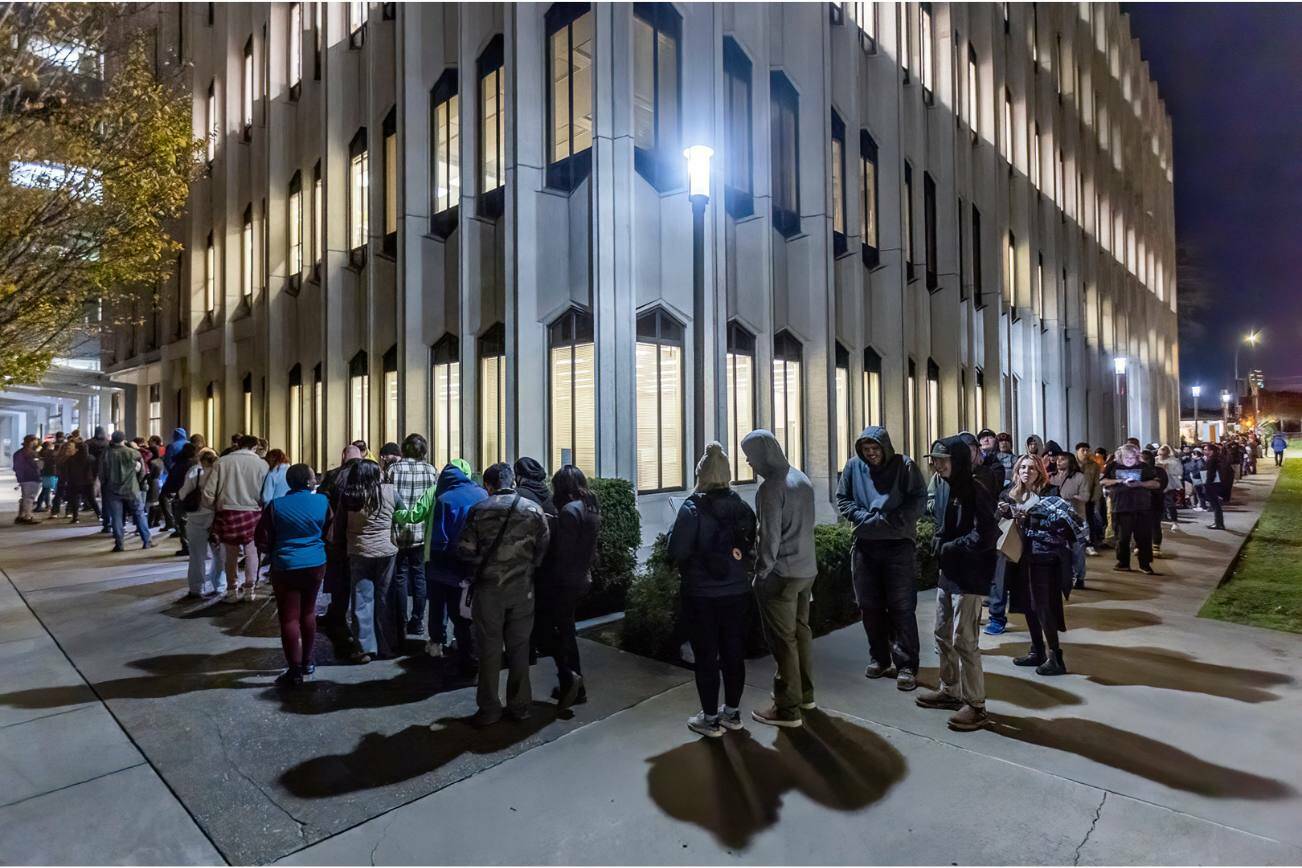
[(74, 784)]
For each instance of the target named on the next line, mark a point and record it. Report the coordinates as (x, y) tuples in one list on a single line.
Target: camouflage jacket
[(523, 545)]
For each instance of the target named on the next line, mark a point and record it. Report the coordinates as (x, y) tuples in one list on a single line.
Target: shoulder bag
[(468, 589)]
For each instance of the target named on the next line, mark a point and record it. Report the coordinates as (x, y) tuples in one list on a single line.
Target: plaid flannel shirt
[(412, 479)]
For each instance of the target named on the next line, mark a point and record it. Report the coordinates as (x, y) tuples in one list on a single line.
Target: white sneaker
[(730, 718), (434, 649), (706, 726), (1091, 551)]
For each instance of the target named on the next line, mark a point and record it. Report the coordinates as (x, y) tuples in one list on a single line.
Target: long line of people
[(409, 551)]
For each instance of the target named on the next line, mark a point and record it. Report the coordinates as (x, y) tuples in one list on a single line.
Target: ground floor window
[(318, 418), (492, 396), (788, 419), (156, 409), (660, 429), (294, 446), (246, 419), (573, 385), (391, 432), (933, 403), (872, 387), (842, 429), (359, 399), (445, 380), (210, 415), (741, 398), (911, 426)]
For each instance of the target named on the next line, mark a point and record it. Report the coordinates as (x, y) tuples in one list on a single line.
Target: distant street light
[(1197, 390), (1251, 338), (1225, 411), (1119, 367), (698, 190)]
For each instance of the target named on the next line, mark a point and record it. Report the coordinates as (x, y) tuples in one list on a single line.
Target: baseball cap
[(939, 449), (986, 432)]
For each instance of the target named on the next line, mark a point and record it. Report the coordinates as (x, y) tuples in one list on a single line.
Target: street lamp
[(1119, 368), (1251, 338), (1225, 412), (698, 190), (1197, 391)]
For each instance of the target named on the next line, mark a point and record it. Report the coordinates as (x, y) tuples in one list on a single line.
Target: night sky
[(1231, 77)]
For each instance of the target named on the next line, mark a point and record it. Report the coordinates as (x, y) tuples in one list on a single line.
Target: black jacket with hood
[(967, 530), (883, 503), (531, 483), (713, 544)]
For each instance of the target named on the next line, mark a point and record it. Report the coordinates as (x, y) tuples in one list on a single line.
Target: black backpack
[(730, 543)]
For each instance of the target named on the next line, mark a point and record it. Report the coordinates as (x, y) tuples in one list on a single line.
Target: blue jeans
[(48, 484), (371, 618), (999, 594), (409, 582), (1078, 560), (116, 504)]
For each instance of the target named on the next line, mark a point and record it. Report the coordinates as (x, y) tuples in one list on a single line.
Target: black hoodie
[(531, 483), (967, 530)]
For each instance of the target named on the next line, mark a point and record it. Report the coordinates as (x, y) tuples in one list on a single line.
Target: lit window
[(318, 218), (391, 432), (155, 409), (738, 187), (908, 221), (785, 155), (569, 107), (973, 92), (1034, 35), (868, 197), (246, 255), (865, 15), (1010, 272), (492, 140), (872, 387), (445, 116), (210, 413), (573, 382), (357, 22), (843, 429), (359, 398), (246, 91), (295, 445), (929, 229), (660, 428), (933, 403), (211, 122), (359, 196), (911, 426), (318, 39), (1059, 185), (445, 359), (492, 396), (741, 397), (295, 48), (788, 415), (246, 417), (318, 417), (928, 71), (657, 30), (295, 228), (1035, 158), (1039, 287), (1008, 126), (391, 182), (838, 185), (980, 418), (1059, 63), (209, 276)]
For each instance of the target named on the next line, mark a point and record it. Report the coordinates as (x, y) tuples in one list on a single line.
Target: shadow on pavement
[(1110, 620), (1155, 760), (733, 786), (420, 679), (233, 619), (382, 760), (1022, 692), (1119, 665)]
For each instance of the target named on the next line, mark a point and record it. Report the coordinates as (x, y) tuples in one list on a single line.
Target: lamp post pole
[(1197, 390), (1119, 368), (1250, 338), (698, 175), (1225, 413)]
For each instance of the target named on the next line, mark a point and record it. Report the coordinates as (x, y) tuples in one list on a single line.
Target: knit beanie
[(713, 471)]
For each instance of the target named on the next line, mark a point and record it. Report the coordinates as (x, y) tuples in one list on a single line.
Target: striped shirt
[(412, 479)]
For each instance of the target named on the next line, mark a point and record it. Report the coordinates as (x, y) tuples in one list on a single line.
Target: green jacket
[(421, 513), (118, 471)]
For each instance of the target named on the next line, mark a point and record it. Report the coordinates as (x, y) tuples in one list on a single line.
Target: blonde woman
[(206, 574)]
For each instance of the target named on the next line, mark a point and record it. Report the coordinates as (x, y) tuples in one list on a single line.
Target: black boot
[(1053, 666), (1035, 658)]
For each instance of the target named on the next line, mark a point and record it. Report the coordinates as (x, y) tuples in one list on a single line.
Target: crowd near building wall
[(472, 221)]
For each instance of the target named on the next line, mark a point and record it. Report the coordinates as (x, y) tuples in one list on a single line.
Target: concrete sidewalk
[(1173, 741)]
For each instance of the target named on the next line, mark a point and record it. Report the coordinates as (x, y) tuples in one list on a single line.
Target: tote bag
[(1010, 540)]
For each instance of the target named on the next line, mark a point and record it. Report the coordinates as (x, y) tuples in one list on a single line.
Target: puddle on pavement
[(1110, 620), (1022, 692)]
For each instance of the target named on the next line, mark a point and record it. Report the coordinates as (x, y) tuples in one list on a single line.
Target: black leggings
[(1040, 634), (716, 627), (554, 620)]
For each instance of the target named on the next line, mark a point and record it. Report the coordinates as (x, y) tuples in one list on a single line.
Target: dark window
[(839, 245), (445, 155), (868, 198), (657, 94), (569, 94), (738, 188), (977, 297), (391, 196), (962, 254), (929, 227), (318, 37), (211, 13), (785, 154), (908, 221), (359, 198), (246, 92), (492, 141), (388, 11)]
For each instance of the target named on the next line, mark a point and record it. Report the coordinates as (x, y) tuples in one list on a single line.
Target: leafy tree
[(99, 155)]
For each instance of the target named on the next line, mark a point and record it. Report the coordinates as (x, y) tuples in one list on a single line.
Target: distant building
[(472, 221)]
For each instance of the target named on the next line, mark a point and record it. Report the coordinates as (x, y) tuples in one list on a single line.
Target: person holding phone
[(1131, 483)]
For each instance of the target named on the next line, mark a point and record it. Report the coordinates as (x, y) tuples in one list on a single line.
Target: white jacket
[(235, 482)]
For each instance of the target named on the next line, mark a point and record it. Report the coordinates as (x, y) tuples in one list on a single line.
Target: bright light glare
[(698, 169)]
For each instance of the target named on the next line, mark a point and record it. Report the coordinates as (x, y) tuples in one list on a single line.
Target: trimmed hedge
[(617, 544), (652, 615)]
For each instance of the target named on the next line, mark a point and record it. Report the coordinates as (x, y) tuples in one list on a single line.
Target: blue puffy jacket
[(444, 509)]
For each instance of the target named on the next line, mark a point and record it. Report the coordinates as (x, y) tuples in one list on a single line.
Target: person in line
[(988, 440), (531, 482), (443, 511), (390, 454), (505, 540), (1035, 448), (967, 533), (275, 484), (1278, 444), (713, 544), (1131, 484), (337, 584), (1213, 472), (1231, 456), (1050, 528), (785, 570), (177, 473), (1094, 496), (233, 492), (1007, 457), (153, 463), (1157, 509), (78, 474), (27, 470), (292, 531), (1175, 483), (564, 577), (64, 449), (412, 476), (121, 472), (882, 494), (97, 446), (48, 461), (207, 574), (1073, 487), (368, 504)]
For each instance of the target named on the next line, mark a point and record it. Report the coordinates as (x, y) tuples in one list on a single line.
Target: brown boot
[(969, 718), (938, 699)]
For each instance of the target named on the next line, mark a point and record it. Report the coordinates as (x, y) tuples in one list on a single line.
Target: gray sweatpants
[(503, 618), (957, 619)]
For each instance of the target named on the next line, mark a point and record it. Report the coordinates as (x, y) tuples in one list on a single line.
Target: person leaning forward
[(784, 575)]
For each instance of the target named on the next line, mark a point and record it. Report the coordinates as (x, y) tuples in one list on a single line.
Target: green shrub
[(833, 605), (652, 608), (928, 567), (617, 544)]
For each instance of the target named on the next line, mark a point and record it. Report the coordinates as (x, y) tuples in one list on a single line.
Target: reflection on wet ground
[(1137, 754), (1110, 620), (1022, 692), (1138, 666), (733, 786)]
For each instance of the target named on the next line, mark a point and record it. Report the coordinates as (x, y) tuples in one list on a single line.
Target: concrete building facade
[(473, 221)]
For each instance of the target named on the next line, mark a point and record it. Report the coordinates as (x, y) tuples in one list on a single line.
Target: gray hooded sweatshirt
[(883, 503), (785, 507)]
